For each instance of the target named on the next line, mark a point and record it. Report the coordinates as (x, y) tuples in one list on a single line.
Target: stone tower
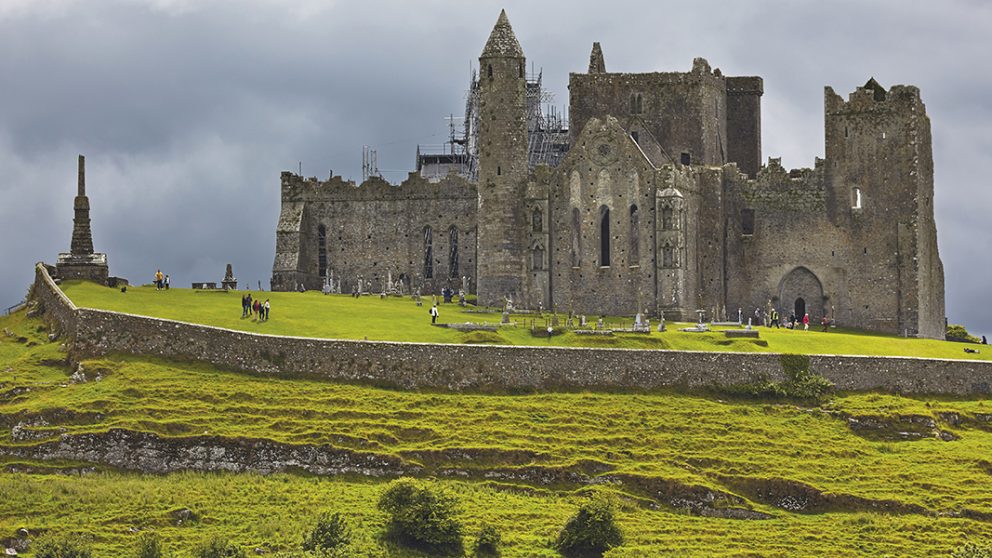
[(880, 181), (502, 166), (81, 262)]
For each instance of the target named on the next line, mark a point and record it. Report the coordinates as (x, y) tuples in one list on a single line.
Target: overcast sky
[(187, 110)]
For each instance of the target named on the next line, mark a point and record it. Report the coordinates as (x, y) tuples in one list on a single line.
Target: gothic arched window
[(667, 256), (428, 253), (635, 236), (322, 251), (537, 258), (576, 237), (667, 221), (537, 220), (604, 236), (453, 252)]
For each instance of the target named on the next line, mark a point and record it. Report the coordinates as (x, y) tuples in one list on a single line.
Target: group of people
[(161, 281), (792, 322), (255, 309)]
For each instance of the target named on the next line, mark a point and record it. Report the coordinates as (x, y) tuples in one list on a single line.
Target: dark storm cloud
[(188, 110)]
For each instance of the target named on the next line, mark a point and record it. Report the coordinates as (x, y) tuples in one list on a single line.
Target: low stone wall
[(95, 333)]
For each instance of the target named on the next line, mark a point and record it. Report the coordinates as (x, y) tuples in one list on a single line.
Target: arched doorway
[(802, 289)]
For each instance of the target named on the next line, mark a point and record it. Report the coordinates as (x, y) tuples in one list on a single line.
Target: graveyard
[(393, 318)]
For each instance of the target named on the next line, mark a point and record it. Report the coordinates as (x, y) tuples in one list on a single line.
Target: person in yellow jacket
[(158, 280)]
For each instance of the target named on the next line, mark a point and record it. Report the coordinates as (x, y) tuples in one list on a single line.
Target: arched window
[(576, 237), (537, 220), (856, 198), (604, 236), (322, 251), (489, 71), (633, 104), (667, 256), (537, 258), (640, 107), (667, 222), (453, 252), (635, 236), (428, 253)]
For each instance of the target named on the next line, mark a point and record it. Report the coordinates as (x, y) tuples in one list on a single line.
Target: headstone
[(582, 321), (599, 323), (661, 324)]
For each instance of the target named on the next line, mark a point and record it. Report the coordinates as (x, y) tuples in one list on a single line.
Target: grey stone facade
[(661, 204)]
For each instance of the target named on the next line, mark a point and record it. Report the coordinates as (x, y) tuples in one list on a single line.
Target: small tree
[(218, 547), (487, 541), (591, 531), (330, 532), (149, 546), (62, 546), (422, 518)]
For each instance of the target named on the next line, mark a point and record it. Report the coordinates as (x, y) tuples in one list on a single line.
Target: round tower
[(502, 166)]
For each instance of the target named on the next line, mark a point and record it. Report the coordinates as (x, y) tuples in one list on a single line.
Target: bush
[(972, 550), (149, 546), (330, 532), (62, 546), (487, 541), (420, 517), (591, 531), (957, 332), (218, 547)]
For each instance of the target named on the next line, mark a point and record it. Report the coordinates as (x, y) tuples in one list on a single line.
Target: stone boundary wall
[(94, 333)]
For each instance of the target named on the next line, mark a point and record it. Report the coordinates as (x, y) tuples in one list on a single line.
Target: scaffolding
[(547, 134)]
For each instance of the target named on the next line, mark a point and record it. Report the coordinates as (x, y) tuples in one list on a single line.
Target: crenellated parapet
[(296, 188)]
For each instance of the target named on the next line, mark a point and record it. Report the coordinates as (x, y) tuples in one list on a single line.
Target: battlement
[(872, 97), (745, 85), (297, 188)]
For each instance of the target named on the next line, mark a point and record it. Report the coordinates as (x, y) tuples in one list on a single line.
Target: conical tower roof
[(502, 41)]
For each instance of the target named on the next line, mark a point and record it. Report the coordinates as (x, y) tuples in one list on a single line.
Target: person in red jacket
[(806, 321)]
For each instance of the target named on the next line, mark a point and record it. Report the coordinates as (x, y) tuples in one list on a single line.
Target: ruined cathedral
[(653, 198)]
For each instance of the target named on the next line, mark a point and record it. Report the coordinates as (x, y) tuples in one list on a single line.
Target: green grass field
[(312, 314), (937, 491)]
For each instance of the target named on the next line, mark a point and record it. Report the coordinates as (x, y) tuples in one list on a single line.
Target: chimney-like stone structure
[(81, 262), (597, 64)]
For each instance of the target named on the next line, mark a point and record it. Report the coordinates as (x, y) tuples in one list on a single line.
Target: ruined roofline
[(873, 97), (296, 187)]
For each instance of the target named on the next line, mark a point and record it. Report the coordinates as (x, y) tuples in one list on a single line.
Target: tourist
[(792, 320), (254, 310), (757, 317), (266, 309), (434, 313), (806, 321), (825, 322), (775, 318), (167, 282), (158, 280)]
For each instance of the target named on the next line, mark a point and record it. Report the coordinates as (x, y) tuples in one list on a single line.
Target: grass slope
[(721, 443), (312, 314)]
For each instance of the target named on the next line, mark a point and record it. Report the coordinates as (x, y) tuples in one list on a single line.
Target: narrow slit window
[(635, 236), (856, 198), (428, 253), (604, 236)]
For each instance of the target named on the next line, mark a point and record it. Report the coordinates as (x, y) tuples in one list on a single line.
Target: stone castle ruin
[(654, 198)]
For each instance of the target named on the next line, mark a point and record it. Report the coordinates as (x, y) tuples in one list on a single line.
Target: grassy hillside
[(312, 314), (873, 474)]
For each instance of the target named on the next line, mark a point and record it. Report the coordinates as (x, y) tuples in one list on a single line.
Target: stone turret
[(503, 166), (597, 65), (81, 262)]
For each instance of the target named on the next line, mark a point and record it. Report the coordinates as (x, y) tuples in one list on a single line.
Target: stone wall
[(94, 333)]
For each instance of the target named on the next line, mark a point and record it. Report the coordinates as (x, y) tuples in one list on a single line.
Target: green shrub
[(591, 531), (957, 332), (149, 546), (331, 531), (487, 541), (62, 546), (972, 550), (421, 517), (218, 547)]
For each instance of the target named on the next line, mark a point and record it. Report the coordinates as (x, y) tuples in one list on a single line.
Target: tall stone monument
[(81, 262)]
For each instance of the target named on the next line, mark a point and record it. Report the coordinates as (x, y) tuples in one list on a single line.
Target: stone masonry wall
[(95, 333)]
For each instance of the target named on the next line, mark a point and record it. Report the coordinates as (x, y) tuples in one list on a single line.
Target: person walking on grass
[(806, 321), (158, 279), (266, 309), (774, 318), (166, 281), (434, 313)]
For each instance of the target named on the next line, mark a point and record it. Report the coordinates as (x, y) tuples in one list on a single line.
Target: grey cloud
[(187, 111)]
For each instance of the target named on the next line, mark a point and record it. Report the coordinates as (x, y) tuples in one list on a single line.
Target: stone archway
[(801, 290)]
